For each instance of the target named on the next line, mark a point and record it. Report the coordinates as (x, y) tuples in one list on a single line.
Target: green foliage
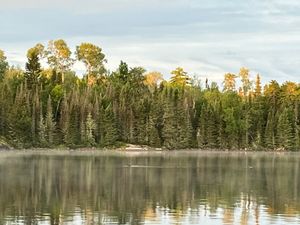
[(92, 57), (179, 77), (33, 67), (3, 64), (89, 131), (59, 57), (42, 132), (229, 82), (246, 84), (109, 128), (50, 124), (19, 121), (177, 128), (47, 107), (57, 93), (285, 137)]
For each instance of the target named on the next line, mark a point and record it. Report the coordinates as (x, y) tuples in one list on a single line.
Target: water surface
[(149, 188)]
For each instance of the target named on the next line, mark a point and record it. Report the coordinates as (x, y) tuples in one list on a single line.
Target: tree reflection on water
[(164, 188)]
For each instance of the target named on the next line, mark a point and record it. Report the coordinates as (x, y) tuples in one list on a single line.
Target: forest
[(48, 105)]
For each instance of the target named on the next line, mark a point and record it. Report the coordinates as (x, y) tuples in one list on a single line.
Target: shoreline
[(139, 150), (126, 147)]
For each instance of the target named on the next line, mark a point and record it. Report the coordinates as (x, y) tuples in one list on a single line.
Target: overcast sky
[(205, 37)]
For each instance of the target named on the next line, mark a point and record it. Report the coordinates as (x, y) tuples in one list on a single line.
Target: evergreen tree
[(89, 132), (202, 129), (129, 106), (177, 128), (50, 123), (212, 129), (42, 132), (270, 129), (65, 121), (35, 114), (284, 136), (169, 131), (258, 88), (20, 120), (155, 122), (3, 64), (110, 132), (33, 68)]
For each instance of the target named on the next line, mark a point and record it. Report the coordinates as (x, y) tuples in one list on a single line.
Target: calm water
[(157, 188)]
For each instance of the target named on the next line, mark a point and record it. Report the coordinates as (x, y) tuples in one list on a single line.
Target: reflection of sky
[(220, 216), (252, 214), (207, 37)]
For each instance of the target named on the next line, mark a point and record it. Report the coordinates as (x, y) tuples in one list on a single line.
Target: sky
[(208, 38)]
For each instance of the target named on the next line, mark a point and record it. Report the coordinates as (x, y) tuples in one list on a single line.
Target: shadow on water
[(165, 188)]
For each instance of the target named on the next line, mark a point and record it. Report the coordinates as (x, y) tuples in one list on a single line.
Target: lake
[(177, 187)]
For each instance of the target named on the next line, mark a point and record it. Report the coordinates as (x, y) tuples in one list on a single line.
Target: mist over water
[(149, 188)]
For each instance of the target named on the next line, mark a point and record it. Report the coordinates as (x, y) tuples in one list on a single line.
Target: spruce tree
[(3, 65), (284, 137), (169, 129), (202, 128), (269, 137), (65, 121), (33, 68), (42, 132), (20, 120), (89, 132), (258, 88), (109, 128), (50, 123), (155, 122), (212, 129)]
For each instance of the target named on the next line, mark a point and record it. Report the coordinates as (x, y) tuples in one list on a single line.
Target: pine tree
[(75, 132), (50, 123), (169, 130), (284, 135), (202, 129), (110, 132), (33, 68), (177, 127), (89, 132), (35, 114), (270, 134), (42, 132), (96, 113), (20, 120), (133, 107), (65, 121), (187, 136), (3, 64), (212, 129), (258, 88), (153, 134), (155, 124)]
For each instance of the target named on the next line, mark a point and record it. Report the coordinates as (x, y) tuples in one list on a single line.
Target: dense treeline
[(48, 105)]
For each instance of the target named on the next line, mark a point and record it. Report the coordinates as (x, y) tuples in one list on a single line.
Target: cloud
[(88, 6), (205, 37)]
